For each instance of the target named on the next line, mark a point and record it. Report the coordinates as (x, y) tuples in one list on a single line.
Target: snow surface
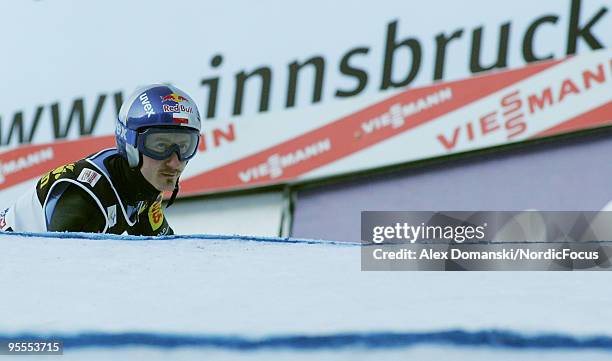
[(258, 288)]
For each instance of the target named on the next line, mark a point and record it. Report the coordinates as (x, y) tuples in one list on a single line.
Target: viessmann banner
[(536, 101), (284, 98)]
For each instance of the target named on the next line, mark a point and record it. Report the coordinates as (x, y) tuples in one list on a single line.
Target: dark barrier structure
[(560, 174)]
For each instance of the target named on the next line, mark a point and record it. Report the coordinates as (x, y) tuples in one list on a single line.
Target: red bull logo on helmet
[(173, 97), (179, 108)]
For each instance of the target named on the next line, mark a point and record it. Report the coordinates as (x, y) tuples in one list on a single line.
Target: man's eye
[(161, 146)]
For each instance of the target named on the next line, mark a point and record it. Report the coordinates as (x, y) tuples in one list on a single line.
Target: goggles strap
[(174, 193)]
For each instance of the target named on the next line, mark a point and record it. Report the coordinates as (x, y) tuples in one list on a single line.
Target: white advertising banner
[(259, 214), (295, 93)]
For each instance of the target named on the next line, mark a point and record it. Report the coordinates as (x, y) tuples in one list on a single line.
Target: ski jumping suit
[(99, 193)]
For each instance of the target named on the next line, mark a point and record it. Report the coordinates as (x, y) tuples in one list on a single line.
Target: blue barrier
[(212, 237), (377, 340)]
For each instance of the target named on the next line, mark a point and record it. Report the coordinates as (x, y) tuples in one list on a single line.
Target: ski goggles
[(160, 143)]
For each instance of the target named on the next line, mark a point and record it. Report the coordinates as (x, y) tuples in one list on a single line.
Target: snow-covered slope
[(264, 288)]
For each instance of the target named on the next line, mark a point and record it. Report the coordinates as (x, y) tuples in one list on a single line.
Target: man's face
[(162, 174)]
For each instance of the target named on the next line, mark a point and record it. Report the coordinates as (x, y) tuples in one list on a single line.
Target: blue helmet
[(152, 110)]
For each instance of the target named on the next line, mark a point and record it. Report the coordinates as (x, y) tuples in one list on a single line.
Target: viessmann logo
[(276, 163), (517, 107), (24, 162), (399, 113)]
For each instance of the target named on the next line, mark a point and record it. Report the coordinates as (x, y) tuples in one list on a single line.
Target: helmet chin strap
[(174, 193), (176, 186)]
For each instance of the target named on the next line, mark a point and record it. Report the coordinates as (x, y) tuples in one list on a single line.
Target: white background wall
[(254, 214)]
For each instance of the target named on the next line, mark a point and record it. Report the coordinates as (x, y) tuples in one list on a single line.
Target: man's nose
[(173, 161)]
